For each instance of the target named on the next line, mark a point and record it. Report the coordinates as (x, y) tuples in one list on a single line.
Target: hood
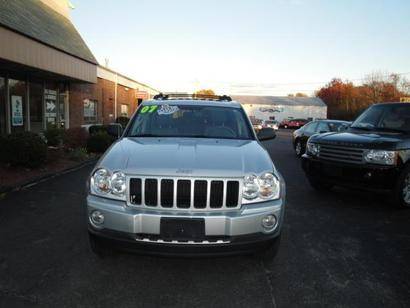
[(187, 157), (364, 140)]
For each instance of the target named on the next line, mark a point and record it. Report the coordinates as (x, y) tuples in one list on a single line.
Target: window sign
[(90, 111), (124, 110), (16, 110), (50, 97)]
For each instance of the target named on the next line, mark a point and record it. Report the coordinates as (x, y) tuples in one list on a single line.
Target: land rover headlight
[(380, 157), (110, 185), (312, 149), (260, 188)]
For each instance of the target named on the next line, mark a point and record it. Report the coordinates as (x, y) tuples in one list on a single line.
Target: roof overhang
[(42, 59)]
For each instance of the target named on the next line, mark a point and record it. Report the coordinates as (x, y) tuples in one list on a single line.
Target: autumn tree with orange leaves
[(345, 100)]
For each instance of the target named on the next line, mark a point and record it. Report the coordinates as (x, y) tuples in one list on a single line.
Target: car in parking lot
[(293, 123), (301, 135), (373, 154), (187, 176), (271, 124)]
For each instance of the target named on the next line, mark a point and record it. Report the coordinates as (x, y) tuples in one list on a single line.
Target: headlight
[(250, 187), (108, 185), (260, 188), (312, 149), (380, 157)]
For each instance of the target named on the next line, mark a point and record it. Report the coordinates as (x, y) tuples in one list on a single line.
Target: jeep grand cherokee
[(187, 176)]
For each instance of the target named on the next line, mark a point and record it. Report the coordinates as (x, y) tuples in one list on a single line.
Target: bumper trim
[(243, 244)]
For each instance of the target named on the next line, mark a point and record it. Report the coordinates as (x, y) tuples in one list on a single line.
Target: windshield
[(164, 120), (395, 118)]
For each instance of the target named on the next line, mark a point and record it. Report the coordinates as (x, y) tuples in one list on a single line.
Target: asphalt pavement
[(339, 249)]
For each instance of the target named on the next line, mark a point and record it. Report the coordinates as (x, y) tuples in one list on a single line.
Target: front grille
[(341, 154), (192, 194)]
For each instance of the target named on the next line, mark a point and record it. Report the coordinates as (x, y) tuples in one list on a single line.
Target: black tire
[(299, 150), (269, 252), (319, 185), (399, 191), (99, 247)]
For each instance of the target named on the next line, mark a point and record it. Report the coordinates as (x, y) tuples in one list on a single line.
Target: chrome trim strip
[(161, 241)]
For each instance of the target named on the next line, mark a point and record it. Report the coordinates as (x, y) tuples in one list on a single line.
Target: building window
[(17, 90), (124, 110), (36, 107), (90, 111)]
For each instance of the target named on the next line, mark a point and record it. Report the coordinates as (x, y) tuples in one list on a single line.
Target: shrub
[(123, 121), (75, 137), (78, 154), (93, 129), (54, 136), (25, 149), (99, 142), (2, 148)]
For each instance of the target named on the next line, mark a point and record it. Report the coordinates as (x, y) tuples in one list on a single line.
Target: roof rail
[(182, 96)]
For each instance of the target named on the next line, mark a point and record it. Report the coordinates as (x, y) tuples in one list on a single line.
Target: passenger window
[(310, 128), (322, 127)]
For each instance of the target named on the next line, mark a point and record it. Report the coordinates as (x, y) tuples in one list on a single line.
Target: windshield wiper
[(363, 128)]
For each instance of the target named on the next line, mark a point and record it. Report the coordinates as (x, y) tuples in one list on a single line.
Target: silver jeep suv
[(188, 175)]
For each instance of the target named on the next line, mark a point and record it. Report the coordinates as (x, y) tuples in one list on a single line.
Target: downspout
[(115, 97)]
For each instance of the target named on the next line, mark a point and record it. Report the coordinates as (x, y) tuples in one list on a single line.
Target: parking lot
[(341, 248)]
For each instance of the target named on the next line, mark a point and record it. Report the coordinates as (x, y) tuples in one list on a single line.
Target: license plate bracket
[(184, 229)]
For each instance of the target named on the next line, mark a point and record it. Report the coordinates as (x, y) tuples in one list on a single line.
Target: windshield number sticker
[(149, 109), (167, 110)]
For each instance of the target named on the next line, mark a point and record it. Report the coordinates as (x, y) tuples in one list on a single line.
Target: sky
[(257, 47)]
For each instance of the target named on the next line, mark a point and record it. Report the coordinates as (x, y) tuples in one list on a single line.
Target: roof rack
[(182, 96)]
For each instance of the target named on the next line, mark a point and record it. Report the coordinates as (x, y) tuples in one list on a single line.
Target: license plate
[(182, 229)]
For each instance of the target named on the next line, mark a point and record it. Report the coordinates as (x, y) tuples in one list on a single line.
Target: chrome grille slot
[(200, 194), (184, 193), (341, 154), (217, 188), (151, 192), (167, 193)]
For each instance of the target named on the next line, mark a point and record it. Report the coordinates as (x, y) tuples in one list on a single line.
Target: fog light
[(269, 221), (97, 217)]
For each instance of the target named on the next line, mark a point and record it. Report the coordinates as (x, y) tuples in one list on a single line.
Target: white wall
[(281, 112)]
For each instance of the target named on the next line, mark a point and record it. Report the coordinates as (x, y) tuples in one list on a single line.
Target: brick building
[(48, 75)]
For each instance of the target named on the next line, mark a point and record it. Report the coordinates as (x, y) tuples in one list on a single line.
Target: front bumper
[(367, 177), (225, 231)]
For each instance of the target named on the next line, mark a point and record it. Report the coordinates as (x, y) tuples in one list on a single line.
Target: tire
[(299, 148), (319, 185), (269, 252), (401, 193), (98, 247)]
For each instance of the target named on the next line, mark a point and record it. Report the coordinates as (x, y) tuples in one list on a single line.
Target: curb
[(34, 181)]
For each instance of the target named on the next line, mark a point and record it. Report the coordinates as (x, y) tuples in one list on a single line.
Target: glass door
[(2, 106)]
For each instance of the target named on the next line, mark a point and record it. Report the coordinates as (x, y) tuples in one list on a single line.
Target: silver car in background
[(188, 176)]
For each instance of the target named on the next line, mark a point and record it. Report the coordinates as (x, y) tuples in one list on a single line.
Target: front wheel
[(298, 148), (401, 194), (270, 251), (98, 247)]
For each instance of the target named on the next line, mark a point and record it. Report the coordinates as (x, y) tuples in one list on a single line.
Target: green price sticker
[(149, 109)]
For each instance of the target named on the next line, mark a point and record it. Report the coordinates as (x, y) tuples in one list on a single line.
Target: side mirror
[(115, 130), (266, 133)]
